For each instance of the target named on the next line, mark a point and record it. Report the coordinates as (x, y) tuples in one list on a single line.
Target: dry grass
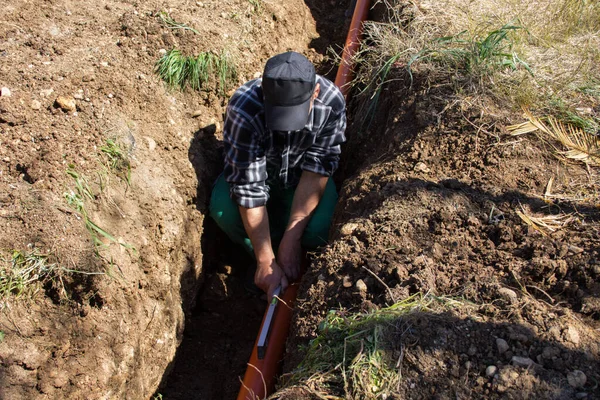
[(445, 43), (577, 144), (546, 224)]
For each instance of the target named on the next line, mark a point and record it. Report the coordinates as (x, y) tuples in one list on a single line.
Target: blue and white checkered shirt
[(256, 158)]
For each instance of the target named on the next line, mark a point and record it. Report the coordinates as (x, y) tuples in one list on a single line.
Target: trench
[(221, 329)]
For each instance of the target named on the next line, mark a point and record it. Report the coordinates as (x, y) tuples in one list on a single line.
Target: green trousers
[(226, 213)]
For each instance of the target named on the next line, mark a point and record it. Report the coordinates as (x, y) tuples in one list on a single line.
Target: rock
[(577, 379), (502, 345), (522, 361), (36, 105), (88, 78), (162, 52), (490, 371), (348, 229), (196, 113), (361, 286), (508, 295), (66, 103), (575, 249), (5, 92), (572, 335), (46, 92), (347, 282), (421, 167), (550, 352), (151, 143), (472, 350)]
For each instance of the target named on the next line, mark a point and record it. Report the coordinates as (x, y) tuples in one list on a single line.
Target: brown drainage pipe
[(345, 72), (259, 379)]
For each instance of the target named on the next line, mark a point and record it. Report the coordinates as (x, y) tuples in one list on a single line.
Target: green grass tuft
[(20, 274), (76, 200), (355, 355), (118, 161), (172, 24), (179, 71)]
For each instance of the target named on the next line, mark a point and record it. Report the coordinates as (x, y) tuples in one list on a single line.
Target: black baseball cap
[(288, 84)]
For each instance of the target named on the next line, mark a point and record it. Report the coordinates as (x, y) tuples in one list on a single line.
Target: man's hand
[(288, 256), (268, 276)]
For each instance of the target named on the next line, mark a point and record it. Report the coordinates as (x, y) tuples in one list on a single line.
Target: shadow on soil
[(221, 327)]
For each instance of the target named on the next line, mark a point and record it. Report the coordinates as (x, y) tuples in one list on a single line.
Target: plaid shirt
[(256, 158)]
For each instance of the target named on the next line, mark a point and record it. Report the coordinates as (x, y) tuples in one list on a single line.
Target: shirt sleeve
[(245, 161), (324, 155)]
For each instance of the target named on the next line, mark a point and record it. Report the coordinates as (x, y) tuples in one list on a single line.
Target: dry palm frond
[(547, 224), (581, 145)]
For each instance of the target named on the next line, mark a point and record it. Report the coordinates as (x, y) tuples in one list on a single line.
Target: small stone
[(151, 143), (472, 350), (257, 75), (162, 52), (490, 371), (550, 352), (346, 282), (104, 64), (577, 379), (196, 113), (522, 361), (572, 335), (66, 103), (5, 92), (421, 167), (88, 78), (575, 249), (508, 295), (502, 345), (361, 286), (36, 105), (78, 96), (110, 95), (46, 92), (348, 229)]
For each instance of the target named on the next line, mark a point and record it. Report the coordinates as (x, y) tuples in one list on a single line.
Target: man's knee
[(317, 232), (222, 208)]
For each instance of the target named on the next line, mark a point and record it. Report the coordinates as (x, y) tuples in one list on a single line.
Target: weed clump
[(360, 355), (179, 71)]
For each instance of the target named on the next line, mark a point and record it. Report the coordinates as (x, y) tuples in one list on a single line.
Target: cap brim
[(287, 118)]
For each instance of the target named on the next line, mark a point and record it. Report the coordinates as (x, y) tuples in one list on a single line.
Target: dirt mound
[(90, 138), (433, 208)]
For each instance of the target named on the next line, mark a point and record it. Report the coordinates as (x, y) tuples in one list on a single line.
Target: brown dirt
[(428, 204), (114, 335)]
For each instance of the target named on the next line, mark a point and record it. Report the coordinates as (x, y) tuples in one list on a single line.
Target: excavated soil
[(432, 209)]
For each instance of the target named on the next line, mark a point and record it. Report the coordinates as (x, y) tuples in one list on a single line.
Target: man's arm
[(306, 199), (268, 273)]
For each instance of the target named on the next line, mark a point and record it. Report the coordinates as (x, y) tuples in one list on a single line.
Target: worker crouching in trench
[(282, 137)]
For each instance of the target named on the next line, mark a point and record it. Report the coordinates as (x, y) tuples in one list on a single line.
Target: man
[(282, 137)]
